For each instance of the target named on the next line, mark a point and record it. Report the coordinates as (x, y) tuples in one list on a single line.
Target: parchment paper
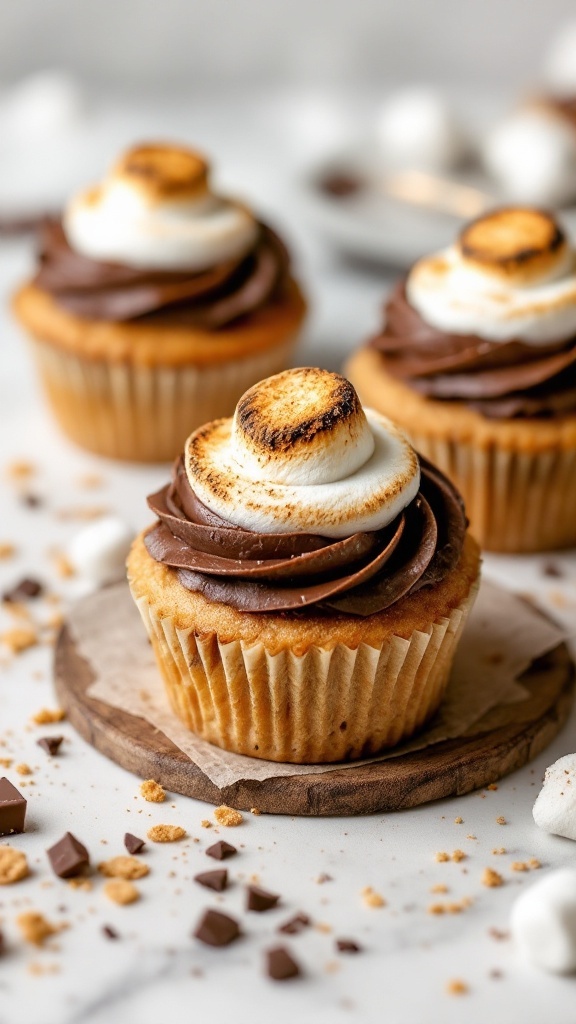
[(502, 637)]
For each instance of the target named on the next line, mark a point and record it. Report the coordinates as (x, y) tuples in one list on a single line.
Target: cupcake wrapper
[(145, 413), (322, 706), (516, 501)]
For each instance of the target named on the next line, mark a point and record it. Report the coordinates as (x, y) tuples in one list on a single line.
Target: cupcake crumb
[(121, 891), (128, 868), (371, 898), (501, 820), (205, 823), (13, 865), (46, 716), (7, 550), (441, 857), (36, 928), (19, 639), (459, 855), (491, 879), (457, 987), (458, 820)]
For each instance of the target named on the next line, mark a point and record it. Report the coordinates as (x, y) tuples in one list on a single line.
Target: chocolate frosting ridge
[(499, 379), (112, 291), (359, 575)]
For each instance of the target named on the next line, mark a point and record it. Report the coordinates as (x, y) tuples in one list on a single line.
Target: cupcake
[(476, 361), (307, 578), (157, 302)]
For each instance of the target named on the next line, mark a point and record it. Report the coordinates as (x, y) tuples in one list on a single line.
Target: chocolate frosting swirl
[(358, 575), (501, 380), (112, 291)]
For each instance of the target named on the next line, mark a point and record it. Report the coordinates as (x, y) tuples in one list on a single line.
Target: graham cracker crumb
[(441, 857), (459, 855), (205, 823), (371, 898), (166, 833), (454, 907), (7, 550), (534, 863), (491, 878), (13, 865), (62, 565), (35, 928), (439, 888), (128, 868), (121, 891), (5, 762), (19, 639), (519, 865), (492, 786), (20, 469), (501, 820), (437, 908), (458, 820), (153, 791), (254, 810), (80, 883), (498, 851), (46, 716), (23, 769), (228, 816), (457, 987)]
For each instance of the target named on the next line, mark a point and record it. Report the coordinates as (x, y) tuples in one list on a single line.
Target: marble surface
[(156, 970)]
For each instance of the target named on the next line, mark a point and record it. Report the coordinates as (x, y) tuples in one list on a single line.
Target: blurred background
[(147, 45)]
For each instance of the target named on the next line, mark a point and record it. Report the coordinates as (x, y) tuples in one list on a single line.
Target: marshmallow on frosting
[(511, 275), (154, 210), (301, 455)]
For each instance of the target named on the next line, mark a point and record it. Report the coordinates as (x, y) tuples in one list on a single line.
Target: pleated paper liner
[(326, 705), (143, 413)]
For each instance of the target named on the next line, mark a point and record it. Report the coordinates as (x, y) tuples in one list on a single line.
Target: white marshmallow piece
[(99, 551), (532, 156), (417, 127), (40, 107), (560, 61), (555, 807), (543, 922)]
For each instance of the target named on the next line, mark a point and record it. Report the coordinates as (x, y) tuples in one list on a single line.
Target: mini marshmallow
[(543, 922), (416, 127), (555, 807), (532, 156), (99, 551)]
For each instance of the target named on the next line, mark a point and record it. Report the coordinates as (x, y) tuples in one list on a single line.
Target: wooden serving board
[(502, 741)]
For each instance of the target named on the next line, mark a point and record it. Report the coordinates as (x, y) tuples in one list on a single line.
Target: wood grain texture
[(502, 741)]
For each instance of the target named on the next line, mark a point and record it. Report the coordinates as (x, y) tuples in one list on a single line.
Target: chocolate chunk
[(260, 900), (280, 965), (68, 857), (553, 570), (221, 850), (217, 880), (216, 929), (295, 925), (110, 932), (132, 843), (12, 809), (27, 588), (348, 946), (51, 744)]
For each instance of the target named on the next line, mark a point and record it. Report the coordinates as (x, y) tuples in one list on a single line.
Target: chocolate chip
[(27, 588), (295, 925), (553, 570), (132, 843), (280, 965), (217, 880), (32, 501), (216, 929), (51, 744), (68, 856), (221, 850), (12, 809), (348, 946), (341, 185), (259, 900), (110, 932)]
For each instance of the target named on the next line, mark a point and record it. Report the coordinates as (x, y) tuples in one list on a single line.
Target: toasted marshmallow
[(511, 275), (532, 156), (301, 455), (155, 210)]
